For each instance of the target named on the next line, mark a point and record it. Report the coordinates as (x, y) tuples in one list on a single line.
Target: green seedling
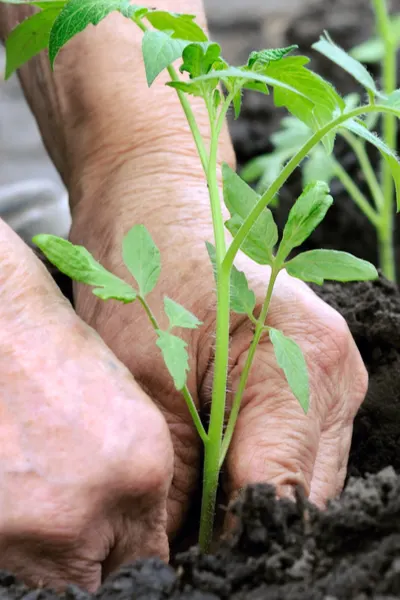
[(170, 37), (378, 205)]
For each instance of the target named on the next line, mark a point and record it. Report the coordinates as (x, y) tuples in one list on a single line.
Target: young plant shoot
[(168, 37), (379, 206)]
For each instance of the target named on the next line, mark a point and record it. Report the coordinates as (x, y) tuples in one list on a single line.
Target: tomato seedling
[(378, 206), (168, 37)]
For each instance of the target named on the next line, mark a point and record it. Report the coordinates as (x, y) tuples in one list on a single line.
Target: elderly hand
[(85, 456)]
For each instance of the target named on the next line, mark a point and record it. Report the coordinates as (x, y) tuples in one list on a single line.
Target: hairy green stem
[(185, 391), (356, 194), (259, 330), (360, 152), (187, 109), (217, 414), (386, 230), (292, 165)]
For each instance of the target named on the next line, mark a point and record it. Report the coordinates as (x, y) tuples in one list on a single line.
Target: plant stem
[(292, 165), (217, 415), (212, 448), (386, 230), (259, 330), (185, 391), (187, 109), (359, 150), (355, 193)]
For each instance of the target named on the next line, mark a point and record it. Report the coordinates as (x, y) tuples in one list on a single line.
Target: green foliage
[(180, 26), (337, 55), (306, 214), (77, 15), (29, 38), (142, 257), (179, 316), (242, 299), (240, 199), (290, 358), (320, 166), (325, 102), (316, 266), (264, 57), (79, 265), (388, 154), (199, 58), (159, 51), (175, 357)]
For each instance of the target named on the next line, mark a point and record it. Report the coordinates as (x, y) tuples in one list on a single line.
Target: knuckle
[(146, 467), (331, 343)]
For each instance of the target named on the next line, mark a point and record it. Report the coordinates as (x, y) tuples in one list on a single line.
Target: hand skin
[(127, 157), (86, 458)]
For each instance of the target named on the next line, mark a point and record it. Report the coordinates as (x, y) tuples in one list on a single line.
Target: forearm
[(96, 106)]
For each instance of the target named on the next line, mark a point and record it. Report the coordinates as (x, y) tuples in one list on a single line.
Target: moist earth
[(283, 549)]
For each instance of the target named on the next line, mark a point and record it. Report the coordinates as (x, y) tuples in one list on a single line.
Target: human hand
[(148, 172), (273, 441), (85, 457)]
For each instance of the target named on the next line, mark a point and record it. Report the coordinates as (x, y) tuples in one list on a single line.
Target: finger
[(274, 441), (41, 565), (331, 463)]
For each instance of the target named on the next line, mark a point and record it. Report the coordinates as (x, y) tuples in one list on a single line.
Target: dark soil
[(284, 550)]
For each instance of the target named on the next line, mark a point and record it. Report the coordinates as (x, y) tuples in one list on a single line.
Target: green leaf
[(213, 258), (266, 56), (243, 299), (39, 3), (388, 154), (142, 257), (178, 315), (306, 214), (29, 38), (44, 4), (175, 357), (318, 167), (192, 88), (182, 26), (316, 102), (265, 169), (198, 58), (240, 199), (77, 15), (244, 75), (371, 51), (393, 99), (292, 134), (160, 50), (237, 103), (290, 358), (78, 264), (317, 265), (327, 48)]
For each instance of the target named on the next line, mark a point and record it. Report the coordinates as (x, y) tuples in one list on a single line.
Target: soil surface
[(284, 550)]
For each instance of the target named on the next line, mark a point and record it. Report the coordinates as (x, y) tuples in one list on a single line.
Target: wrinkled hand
[(85, 457), (274, 441)]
